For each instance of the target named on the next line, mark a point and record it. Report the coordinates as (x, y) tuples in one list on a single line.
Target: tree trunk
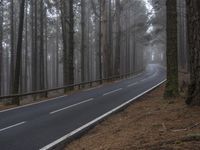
[(83, 32), (42, 81), (118, 38), (1, 41), (12, 45), (34, 43), (171, 89), (100, 52), (105, 40), (68, 41), (26, 48), (71, 43), (65, 28), (193, 18), (19, 52)]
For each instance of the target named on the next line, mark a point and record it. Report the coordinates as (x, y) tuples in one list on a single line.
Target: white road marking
[(97, 119), (32, 104), (111, 92), (51, 99), (56, 111), (18, 124), (133, 84)]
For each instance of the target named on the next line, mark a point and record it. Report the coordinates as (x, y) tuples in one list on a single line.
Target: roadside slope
[(149, 123)]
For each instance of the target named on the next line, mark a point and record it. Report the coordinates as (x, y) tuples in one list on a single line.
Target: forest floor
[(151, 123)]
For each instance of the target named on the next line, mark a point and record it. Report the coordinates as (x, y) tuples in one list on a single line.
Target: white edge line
[(85, 101), (112, 91), (18, 124), (97, 119), (32, 104)]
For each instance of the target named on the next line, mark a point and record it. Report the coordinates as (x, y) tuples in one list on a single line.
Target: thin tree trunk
[(12, 45), (100, 52), (57, 51), (34, 44), (83, 40), (42, 45), (118, 38), (71, 43), (64, 24), (26, 49), (46, 51), (1, 45)]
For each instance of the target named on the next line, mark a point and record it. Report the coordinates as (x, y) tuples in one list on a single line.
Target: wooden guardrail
[(67, 87)]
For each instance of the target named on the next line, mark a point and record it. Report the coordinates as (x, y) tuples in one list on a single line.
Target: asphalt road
[(35, 126)]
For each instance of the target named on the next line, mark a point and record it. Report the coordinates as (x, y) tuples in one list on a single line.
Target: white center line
[(133, 84), (56, 111), (18, 124), (112, 92)]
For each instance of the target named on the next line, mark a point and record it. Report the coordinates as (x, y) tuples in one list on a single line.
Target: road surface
[(44, 124)]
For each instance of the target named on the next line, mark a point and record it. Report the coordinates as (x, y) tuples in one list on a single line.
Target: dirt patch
[(152, 123)]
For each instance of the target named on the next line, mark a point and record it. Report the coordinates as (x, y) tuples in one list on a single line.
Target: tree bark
[(42, 81), (19, 52), (1, 45), (105, 40), (193, 18), (171, 89), (118, 37), (83, 32), (68, 41), (12, 45), (71, 43)]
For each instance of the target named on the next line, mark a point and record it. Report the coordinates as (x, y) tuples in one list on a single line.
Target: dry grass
[(152, 124)]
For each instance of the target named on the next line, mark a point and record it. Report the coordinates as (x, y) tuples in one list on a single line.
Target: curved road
[(42, 125)]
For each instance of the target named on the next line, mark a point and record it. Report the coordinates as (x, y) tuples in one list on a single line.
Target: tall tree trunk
[(12, 45), (100, 52), (57, 50), (64, 23), (46, 51), (83, 32), (105, 40), (34, 43), (71, 43), (110, 36), (171, 89), (68, 42), (42, 45), (1, 45), (193, 17), (26, 48), (118, 38), (19, 52)]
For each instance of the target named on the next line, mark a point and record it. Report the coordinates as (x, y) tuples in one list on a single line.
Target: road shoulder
[(149, 123)]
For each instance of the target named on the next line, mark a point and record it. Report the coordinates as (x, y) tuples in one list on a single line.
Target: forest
[(125, 73), (49, 44)]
